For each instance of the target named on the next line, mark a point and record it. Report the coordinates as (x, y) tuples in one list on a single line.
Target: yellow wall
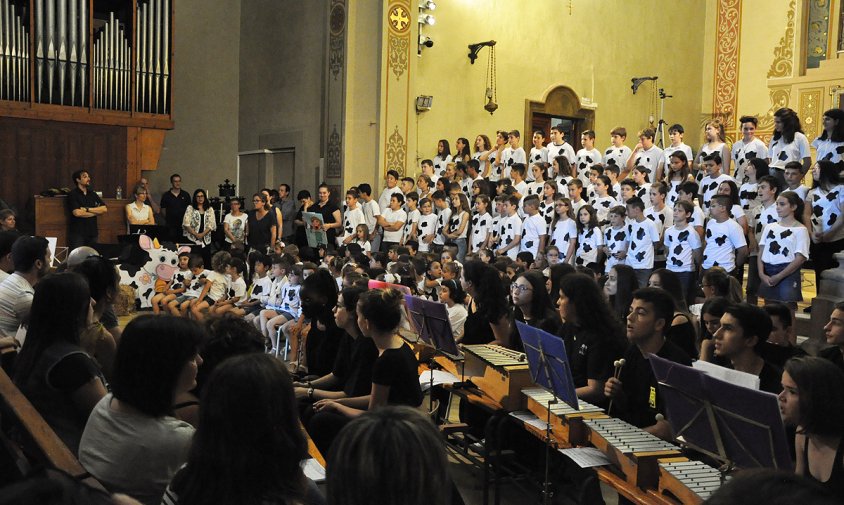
[(599, 47)]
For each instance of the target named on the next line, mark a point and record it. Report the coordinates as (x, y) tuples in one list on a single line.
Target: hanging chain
[(494, 76)]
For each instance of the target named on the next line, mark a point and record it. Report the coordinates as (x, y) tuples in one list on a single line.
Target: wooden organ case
[(84, 84)]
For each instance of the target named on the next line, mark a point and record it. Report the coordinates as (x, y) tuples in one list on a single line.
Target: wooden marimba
[(499, 372), (632, 450), (566, 423), (690, 482)]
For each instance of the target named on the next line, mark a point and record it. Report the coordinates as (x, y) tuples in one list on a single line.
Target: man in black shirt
[(743, 333), (173, 206), (84, 206), (635, 393), (834, 332)]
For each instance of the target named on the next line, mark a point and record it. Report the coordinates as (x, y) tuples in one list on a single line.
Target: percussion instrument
[(632, 450), (566, 423), (499, 372), (688, 481)]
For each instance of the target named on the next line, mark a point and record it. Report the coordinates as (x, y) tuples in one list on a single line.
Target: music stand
[(733, 424), (550, 370)]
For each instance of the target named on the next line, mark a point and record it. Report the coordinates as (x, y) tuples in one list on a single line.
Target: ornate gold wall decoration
[(337, 29), (396, 152), (782, 66), (398, 55), (728, 35), (335, 144), (810, 103)]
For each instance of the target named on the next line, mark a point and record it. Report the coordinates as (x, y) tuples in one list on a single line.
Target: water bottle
[(119, 193)]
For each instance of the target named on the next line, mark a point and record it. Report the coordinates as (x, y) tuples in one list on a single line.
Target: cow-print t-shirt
[(196, 285), (616, 241), (649, 158), (589, 240), (442, 226), (679, 246), (536, 156), (427, 226), (564, 231), (584, 161), (781, 244), (481, 224), (237, 288), (764, 216), (509, 228), (722, 240), (742, 154), (351, 219), (828, 150), (617, 156), (826, 210), (709, 188), (640, 251), (532, 229), (782, 153), (602, 205), (412, 218), (440, 165), (290, 299), (546, 210)]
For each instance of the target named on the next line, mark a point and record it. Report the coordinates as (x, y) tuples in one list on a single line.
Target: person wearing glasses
[(138, 212)]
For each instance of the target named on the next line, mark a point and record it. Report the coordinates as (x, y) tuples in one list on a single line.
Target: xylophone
[(566, 423), (633, 451), (499, 372), (690, 482)]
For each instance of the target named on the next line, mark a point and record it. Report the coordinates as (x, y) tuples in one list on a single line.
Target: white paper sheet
[(530, 418), (440, 377), (313, 470), (747, 380), (586, 457)]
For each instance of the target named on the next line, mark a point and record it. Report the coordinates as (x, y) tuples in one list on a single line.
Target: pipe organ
[(99, 54)]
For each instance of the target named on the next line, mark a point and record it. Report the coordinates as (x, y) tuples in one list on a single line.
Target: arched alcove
[(560, 103)]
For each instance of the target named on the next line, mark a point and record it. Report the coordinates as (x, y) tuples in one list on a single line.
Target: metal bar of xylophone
[(566, 422), (499, 372), (690, 482), (634, 451)]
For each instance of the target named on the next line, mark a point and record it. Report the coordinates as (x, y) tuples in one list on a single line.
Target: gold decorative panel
[(399, 20), (728, 36), (810, 110), (782, 66), (396, 152)]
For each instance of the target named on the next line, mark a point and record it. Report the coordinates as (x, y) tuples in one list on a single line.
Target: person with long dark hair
[(53, 370), (830, 145), (132, 444), (199, 223), (593, 337), (788, 144), (619, 287), (103, 283), (557, 274), (812, 400), (532, 305), (249, 444), (682, 330), (822, 215), (489, 315), (318, 298)]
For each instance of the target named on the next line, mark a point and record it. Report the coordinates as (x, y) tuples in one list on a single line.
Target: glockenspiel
[(499, 372), (566, 422), (690, 482)]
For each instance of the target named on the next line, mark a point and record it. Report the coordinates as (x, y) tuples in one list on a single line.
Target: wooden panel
[(51, 218)]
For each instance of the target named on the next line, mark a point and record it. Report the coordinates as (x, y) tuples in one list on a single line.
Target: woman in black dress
[(261, 224)]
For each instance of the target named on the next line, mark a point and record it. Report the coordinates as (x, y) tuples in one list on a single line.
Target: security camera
[(425, 41)]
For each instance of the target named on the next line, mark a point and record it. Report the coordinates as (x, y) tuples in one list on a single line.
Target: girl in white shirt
[(830, 145), (787, 144), (784, 247), (443, 157), (563, 230), (482, 147), (715, 143), (452, 296), (824, 213)]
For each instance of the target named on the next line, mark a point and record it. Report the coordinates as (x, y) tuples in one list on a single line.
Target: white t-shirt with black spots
[(781, 153), (535, 156), (427, 226), (440, 164), (290, 299), (649, 158), (763, 217), (643, 193), (481, 225), (662, 218), (750, 201), (494, 170), (666, 155), (546, 211), (532, 229), (705, 151), (371, 211), (617, 156), (196, 285), (237, 288), (697, 218), (679, 246), (351, 220), (673, 193), (782, 244), (602, 205), (642, 236), (826, 210), (827, 150), (454, 223), (392, 216), (563, 185), (412, 218), (616, 240), (584, 161), (722, 240), (588, 243), (576, 206), (801, 190), (742, 154), (564, 149), (510, 157), (709, 187), (442, 224), (509, 228), (482, 168), (563, 232)]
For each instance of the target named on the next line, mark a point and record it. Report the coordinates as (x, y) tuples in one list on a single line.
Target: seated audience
[(31, 258)]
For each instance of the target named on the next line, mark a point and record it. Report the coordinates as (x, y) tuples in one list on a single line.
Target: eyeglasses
[(520, 288)]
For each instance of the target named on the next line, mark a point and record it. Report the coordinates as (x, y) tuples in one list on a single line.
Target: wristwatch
[(311, 393)]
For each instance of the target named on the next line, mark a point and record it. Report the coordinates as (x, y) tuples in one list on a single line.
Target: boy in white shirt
[(352, 217), (427, 228), (675, 133), (393, 220), (748, 147), (411, 228), (616, 238), (794, 179), (587, 156), (618, 153), (371, 209), (687, 192), (726, 246), (510, 228), (645, 154), (259, 291), (682, 246), (513, 153), (576, 195), (643, 238), (661, 215), (236, 288), (534, 229), (441, 203), (767, 189), (713, 179), (391, 189), (612, 171), (428, 169), (559, 147), (481, 224)]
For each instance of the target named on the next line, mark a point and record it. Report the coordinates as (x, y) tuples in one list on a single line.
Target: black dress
[(477, 329), (260, 230)]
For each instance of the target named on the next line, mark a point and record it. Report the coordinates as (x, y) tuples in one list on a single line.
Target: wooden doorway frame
[(560, 101)]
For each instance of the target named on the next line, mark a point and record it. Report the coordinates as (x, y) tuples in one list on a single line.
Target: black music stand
[(550, 370), (736, 425)]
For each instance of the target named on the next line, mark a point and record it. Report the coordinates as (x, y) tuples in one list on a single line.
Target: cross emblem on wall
[(399, 18)]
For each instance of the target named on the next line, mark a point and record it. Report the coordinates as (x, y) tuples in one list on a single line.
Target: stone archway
[(560, 102)]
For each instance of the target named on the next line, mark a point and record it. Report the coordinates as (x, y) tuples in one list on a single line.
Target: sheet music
[(313, 470), (440, 377), (586, 457), (744, 379), (530, 418)]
